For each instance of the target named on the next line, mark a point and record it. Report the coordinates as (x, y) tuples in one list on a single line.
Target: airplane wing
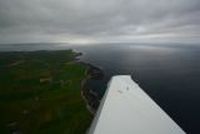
[(127, 109)]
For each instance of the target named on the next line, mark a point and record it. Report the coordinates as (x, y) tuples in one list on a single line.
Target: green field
[(40, 93)]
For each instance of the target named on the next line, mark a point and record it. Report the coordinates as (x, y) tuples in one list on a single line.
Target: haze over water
[(170, 74)]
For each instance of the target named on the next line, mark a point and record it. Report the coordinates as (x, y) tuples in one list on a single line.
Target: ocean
[(169, 73)]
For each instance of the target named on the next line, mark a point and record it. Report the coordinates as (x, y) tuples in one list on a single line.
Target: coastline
[(91, 98)]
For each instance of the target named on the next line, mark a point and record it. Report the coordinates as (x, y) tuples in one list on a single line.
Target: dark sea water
[(169, 73)]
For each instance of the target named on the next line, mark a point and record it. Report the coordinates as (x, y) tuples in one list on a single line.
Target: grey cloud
[(97, 20)]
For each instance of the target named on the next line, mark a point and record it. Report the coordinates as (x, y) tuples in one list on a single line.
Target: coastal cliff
[(91, 97)]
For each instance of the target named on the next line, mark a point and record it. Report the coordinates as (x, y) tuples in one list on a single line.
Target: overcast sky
[(89, 21)]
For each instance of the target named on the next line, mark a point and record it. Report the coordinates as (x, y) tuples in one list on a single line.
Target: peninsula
[(40, 92)]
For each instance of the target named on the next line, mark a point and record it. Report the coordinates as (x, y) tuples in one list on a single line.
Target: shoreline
[(91, 98)]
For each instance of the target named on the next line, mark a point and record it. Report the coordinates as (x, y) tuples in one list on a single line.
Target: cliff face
[(91, 97)]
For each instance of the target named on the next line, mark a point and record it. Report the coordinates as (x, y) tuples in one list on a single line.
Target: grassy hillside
[(40, 93)]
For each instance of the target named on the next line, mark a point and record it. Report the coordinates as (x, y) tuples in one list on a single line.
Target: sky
[(96, 21)]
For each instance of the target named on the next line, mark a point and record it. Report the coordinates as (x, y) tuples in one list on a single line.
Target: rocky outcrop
[(91, 97)]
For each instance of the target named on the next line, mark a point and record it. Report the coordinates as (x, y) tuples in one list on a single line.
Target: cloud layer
[(87, 21)]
